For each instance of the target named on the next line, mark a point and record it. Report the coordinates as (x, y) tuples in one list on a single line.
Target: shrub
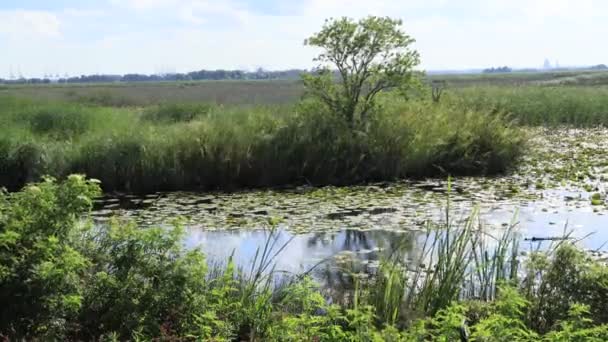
[(568, 278), (42, 271), (22, 161)]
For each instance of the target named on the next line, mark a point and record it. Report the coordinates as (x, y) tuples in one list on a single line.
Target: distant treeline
[(503, 69), (216, 75), (201, 75)]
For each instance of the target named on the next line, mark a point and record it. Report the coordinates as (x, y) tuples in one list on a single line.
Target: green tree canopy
[(370, 55)]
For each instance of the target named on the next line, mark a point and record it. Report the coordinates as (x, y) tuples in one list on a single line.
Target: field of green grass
[(582, 78), (210, 147), (539, 105), (230, 135), (265, 92), (145, 94)]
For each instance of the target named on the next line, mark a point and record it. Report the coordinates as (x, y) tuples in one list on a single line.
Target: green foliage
[(578, 327), (61, 122), (235, 147), (142, 280), (61, 279), (568, 278), (506, 319), (41, 270), (370, 55)]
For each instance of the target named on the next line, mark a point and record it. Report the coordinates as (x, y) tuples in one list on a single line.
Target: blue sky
[(150, 36)]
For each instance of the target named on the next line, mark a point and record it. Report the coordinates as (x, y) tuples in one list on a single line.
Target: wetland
[(559, 189), (366, 202)]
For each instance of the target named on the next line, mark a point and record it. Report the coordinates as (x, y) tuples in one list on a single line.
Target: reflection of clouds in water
[(219, 245), (552, 217), (301, 253), (554, 224)]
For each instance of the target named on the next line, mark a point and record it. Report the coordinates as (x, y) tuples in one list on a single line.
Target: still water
[(330, 223)]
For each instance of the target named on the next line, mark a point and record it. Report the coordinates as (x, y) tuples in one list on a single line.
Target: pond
[(559, 189)]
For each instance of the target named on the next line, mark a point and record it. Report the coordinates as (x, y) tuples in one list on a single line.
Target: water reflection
[(333, 259), (304, 251), (335, 217)]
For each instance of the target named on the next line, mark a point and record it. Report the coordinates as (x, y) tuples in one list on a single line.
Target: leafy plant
[(370, 55)]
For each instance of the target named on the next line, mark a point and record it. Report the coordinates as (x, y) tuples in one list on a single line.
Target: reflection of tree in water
[(360, 261), (358, 240)]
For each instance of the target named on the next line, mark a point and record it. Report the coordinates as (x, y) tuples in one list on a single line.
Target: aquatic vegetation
[(596, 199), (61, 279)]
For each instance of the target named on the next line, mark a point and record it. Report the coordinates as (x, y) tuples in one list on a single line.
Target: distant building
[(547, 64)]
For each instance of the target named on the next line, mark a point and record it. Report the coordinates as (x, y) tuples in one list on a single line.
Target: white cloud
[(22, 24), (83, 13), (144, 4), (189, 11), (194, 34)]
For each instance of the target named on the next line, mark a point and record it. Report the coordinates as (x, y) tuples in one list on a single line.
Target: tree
[(370, 55)]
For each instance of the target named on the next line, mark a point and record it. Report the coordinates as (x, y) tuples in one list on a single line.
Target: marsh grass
[(206, 147), (540, 105), (228, 92), (458, 259), (174, 113)]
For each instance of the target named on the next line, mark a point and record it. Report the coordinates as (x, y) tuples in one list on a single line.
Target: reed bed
[(211, 147)]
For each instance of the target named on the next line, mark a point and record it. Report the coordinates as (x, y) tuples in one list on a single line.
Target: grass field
[(182, 146), (540, 105), (265, 92), (144, 94), (229, 135), (524, 78)]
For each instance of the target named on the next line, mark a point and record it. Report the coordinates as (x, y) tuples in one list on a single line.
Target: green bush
[(22, 161), (568, 278), (41, 268)]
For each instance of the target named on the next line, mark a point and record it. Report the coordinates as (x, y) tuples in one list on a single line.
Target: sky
[(158, 36)]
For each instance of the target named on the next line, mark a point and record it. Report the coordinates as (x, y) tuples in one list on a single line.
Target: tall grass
[(178, 147), (540, 105), (457, 260)]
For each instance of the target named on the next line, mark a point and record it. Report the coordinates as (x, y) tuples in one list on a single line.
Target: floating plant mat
[(559, 186)]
